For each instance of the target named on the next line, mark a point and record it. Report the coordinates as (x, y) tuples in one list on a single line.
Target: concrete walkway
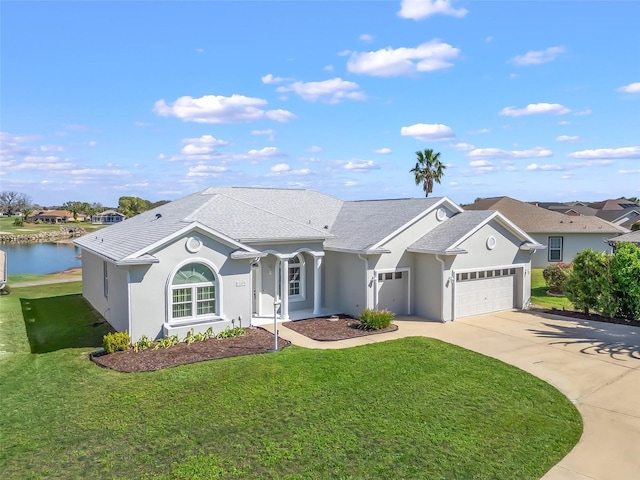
[(596, 365)]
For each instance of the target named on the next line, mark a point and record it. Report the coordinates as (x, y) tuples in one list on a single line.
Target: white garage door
[(484, 291), (393, 292)]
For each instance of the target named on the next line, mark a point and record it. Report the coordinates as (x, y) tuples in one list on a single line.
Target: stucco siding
[(345, 283), (150, 286), (572, 244)]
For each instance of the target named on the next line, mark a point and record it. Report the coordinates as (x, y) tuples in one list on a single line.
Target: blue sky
[(535, 100)]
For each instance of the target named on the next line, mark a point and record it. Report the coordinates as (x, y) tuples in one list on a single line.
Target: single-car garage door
[(393, 292), (484, 291)]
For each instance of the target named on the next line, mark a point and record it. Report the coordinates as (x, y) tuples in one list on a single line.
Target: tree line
[(13, 203)]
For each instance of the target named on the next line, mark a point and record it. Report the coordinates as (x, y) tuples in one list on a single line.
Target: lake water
[(40, 257)]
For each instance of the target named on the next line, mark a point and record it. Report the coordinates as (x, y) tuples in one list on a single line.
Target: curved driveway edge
[(596, 365)]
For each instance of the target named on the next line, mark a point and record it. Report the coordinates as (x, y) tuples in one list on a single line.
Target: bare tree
[(13, 202)]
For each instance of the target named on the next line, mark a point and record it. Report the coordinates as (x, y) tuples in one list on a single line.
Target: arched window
[(193, 292), (295, 279)]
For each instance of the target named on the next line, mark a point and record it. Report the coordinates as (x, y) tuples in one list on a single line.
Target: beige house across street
[(225, 256), (563, 235)]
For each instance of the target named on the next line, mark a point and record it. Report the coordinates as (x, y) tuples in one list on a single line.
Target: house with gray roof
[(563, 235), (234, 256)]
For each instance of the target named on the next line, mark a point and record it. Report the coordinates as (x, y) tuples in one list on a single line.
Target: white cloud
[(331, 91), (622, 152), (269, 133), (365, 37), (512, 155), (592, 163), (359, 165), (202, 170), (482, 166), (382, 151), (269, 79), (281, 167), (219, 109), (280, 115), (435, 132), (488, 39), (463, 147), (419, 9), (266, 152), (534, 57), (567, 138), (92, 143), (314, 149), (350, 183), (453, 184), (564, 122), (480, 163), (624, 172), (200, 50), (545, 167), (328, 68), (482, 131), (535, 109), (201, 145), (389, 62), (581, 113), (631, 88)]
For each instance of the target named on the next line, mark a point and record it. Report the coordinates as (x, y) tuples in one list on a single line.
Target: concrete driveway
[(596, 365)]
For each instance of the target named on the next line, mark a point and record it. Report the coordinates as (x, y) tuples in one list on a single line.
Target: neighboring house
[(564, 235), (223, 256), (614, 204), (108, 217), (56, 216), (625, 217), (633, 237)]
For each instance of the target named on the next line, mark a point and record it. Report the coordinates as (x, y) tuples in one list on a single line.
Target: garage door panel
[(484, 295)]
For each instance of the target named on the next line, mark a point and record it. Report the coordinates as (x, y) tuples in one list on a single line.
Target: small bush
[(201, 337), (142, 344), (555, 276), (114, 342), (231, 332), (375, 319), (190, 338), (166, 342), (18, 222)]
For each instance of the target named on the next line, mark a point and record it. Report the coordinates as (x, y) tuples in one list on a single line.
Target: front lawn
[(540, 297), (411, 408)]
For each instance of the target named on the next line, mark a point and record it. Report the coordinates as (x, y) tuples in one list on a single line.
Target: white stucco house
[(222, 256), (563, 235)]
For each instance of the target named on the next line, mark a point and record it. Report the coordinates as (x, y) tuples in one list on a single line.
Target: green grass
[(6, 225), (411, 408), (539, 296), (26, 277)]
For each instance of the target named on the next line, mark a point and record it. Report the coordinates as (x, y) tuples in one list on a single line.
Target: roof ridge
[(258, 207)]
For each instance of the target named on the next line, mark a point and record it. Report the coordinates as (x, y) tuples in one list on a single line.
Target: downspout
[(129, 300), (442, 319), (366, 279)]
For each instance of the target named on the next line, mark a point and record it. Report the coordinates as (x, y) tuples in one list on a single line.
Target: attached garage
[(393, 291), (485, 291)]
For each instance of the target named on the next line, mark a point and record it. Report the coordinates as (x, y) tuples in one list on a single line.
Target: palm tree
[(428, 169)]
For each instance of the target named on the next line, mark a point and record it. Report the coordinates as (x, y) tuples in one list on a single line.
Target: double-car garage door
[(484, 291)]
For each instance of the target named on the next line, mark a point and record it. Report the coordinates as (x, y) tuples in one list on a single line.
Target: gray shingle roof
[(534, 219), (362, 224), (244, 214), (633, 237), (447, 234)]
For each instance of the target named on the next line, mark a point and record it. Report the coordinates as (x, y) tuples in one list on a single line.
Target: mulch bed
[(582, 316), (332, 328), (255, 340)]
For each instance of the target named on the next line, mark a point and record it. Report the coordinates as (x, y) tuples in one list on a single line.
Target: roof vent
[(326, 227), (158, 215)]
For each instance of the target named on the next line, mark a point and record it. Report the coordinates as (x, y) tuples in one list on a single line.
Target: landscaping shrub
[(375, 319), (231, 332), (166, 342), (142, 344), (555, 276), (118, 341)]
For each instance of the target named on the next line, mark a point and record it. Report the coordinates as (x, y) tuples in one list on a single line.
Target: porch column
[(317, 284), (284, 281)]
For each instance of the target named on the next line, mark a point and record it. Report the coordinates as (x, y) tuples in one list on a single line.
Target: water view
[(40, 257)]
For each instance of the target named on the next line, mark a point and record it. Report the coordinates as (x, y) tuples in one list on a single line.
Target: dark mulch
[(583, 316), (255, 340), (336, 327)]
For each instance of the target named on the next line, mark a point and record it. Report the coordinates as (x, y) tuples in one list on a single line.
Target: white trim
[(257, 288), (185, 230), (317, 284), (302, 296), (508, 224), (219, 313), (416, 219), (393, 270)]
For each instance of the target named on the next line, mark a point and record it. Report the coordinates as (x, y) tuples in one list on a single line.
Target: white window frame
[(559, 249), (302, 296), (193, 287)]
